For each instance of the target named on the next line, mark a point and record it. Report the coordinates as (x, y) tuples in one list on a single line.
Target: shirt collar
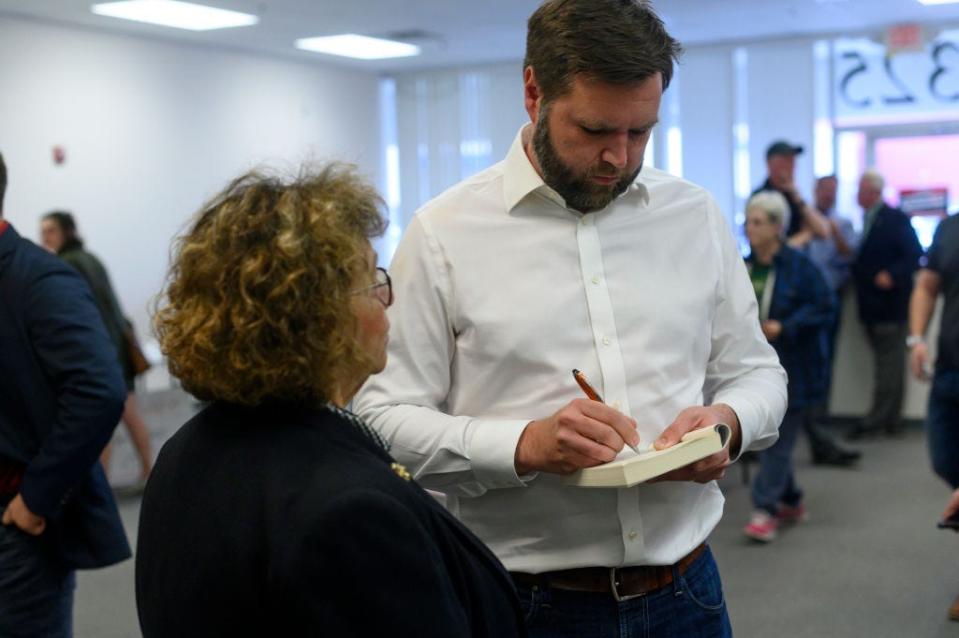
[(8, 238), (520, 179)]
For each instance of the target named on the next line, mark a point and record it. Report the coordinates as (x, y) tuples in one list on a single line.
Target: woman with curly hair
[(275, 511)]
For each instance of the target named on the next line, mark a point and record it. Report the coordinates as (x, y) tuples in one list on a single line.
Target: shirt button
[(595, 279), (632, 535), (605, 341)]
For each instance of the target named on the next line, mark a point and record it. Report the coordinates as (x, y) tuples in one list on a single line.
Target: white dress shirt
[(501, 291)]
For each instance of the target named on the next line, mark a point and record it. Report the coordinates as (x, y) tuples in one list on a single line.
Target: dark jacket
[(803, 303), (890, 245), (61, 396), (285, 521), (92, 270)]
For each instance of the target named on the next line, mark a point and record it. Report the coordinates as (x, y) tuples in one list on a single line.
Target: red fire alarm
[(59, 155)]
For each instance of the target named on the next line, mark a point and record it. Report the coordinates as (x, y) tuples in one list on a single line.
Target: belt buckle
[(614, 587)]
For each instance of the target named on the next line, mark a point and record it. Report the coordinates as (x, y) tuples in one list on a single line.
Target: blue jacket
[(803, 304), (890, 245), (61, 396)]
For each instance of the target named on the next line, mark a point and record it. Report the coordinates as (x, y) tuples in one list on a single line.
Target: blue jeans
[(691, 607), (942, 425), (36, 590), (775, 483)]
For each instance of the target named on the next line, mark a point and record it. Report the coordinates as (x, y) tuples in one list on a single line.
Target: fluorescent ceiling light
[(362, 47), (938, 1), (171, 13)]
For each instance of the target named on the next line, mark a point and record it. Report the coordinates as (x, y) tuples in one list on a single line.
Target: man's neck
[(528, 148), (765, 254)]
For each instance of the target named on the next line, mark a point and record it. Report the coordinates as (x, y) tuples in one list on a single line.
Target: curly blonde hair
[(256, 307)]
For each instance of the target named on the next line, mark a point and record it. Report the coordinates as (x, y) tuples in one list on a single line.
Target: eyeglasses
[(382, 289)]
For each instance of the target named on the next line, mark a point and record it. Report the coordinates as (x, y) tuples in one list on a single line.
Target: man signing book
[(570, 254)]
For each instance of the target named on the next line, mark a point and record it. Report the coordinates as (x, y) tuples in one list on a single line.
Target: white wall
[(706, 117), (439, 110), (781, 105), (152, 129)]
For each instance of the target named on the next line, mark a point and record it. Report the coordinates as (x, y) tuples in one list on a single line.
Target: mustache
[(606, 173), (616, 176)]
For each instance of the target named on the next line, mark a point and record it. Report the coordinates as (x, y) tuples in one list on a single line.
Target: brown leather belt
[(622, 582)]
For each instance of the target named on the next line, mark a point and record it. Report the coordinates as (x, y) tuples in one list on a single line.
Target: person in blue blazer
[(883, 273), (795, 308), (61, 396), (275, 511)]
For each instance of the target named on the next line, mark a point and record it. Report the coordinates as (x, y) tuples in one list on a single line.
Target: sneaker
[(790, 515), (761, 527)]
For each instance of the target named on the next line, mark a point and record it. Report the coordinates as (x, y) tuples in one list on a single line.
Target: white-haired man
[(883, 271)]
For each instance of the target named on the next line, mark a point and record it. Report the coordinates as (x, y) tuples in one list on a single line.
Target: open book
[(693, 446)]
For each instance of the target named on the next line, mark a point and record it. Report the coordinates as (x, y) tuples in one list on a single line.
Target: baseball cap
[(782, 147)]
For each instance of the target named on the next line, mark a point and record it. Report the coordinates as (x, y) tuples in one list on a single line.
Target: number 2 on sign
[(945, 58)]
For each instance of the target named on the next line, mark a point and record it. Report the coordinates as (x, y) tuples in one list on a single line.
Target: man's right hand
[(919, 361), (18, 514), (583, 433)]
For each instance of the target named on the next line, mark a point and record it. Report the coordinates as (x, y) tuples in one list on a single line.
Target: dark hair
[(614, 41), (68, 226), (3, 181)]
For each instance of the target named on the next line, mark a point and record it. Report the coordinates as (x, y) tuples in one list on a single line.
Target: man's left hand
[(884, 280), (772, 329), (712, 467)]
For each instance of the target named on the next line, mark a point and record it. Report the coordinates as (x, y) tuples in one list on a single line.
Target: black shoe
[(859, 433), (839, 457)]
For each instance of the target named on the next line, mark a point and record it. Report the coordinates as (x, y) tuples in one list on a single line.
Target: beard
[(579, 192)]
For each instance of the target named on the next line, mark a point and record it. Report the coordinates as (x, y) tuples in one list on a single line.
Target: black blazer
[(286, 521), (890, 245), (61, 395)]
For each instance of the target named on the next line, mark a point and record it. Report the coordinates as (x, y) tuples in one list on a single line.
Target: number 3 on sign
[(939, 54)]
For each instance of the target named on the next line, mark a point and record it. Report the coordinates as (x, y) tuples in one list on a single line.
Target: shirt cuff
[(748, 414), (492, 452)]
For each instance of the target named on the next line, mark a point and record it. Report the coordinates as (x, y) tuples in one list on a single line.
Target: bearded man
[(570, 254)]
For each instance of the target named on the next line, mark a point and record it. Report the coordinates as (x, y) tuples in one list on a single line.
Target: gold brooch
[(401, 471)]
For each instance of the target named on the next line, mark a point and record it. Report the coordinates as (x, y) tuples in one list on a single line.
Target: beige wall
[(852, 369)]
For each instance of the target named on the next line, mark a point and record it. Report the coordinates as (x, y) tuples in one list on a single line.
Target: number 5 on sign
[(871, 85)]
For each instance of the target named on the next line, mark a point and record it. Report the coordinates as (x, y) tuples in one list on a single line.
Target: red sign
[(924, 201), (904, 37)]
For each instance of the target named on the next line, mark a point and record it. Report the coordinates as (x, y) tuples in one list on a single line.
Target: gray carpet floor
[(868, 563)]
